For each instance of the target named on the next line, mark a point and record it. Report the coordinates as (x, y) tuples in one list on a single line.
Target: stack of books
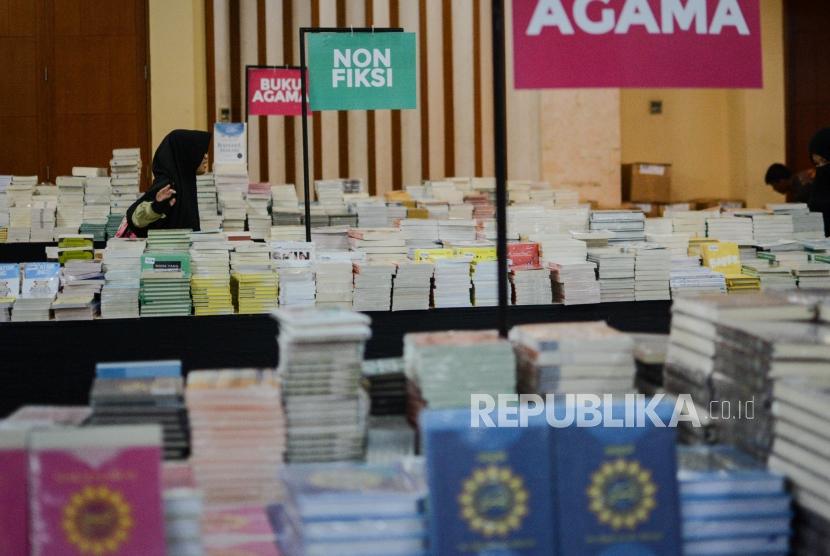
[(411, 285), (113, 502), (438, 364), (165, 283), (771, 276), (230, 178), (254, 284), (768, 228), (237, 434), (142, 393), (731, 504), (573, 358), (82, 276), (320, 515), (451, 282), (615, 270), (122, 272), (168, 240), (75, 247), (183, 514), (372, 214), (692, 223), (40, 280), (259, 220), (689, 278), (386, 385), (333, 280), (814, 275), (285, 208), (209, 218), (531, 286), (676, 243), (484, 273), (453, 231), (330, 196), (233, 207), (626, 225), (330, 238), (5, 181), (70, 209), (210, 282), (652, 272), (125, 171), (286, 232), (560, 247), (297, 287), (730, 228), (419, 233), (378, 243), (96, 208), (320, 364), (575, 283), (373, 285), (19, 196), (42, 218), (806, 225), (74, 306), (31, 309)]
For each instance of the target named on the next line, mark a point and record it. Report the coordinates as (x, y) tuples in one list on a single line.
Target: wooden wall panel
[(248, 51), (410, 119), (463, 93), (358, 130), (329, 121), (274, 57), (435, 75), (383, 119)]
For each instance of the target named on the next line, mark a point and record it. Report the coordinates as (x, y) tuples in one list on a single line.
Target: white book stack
[(256, 205), (97, 200), (287, 233), (676, 243), (381, 244), (615, 270), (560, 247), (19, 194), (208, 203), (125, 173), (373, 285), (691, 222), (28, 309), (485, 277), (661, 226), (652, 272), (730, 228), (575, 283), (445, 191), (768, 228), (569, 220), (394, 214), (5, 181), (248, 256), (70, 212), (372, 214), (453, 231), (541, 194), (772, 276), (564, 198), (330, 196), (233, 207), (451, 283), (285, 208), (417, 192), (573, 358), (122, 272), (531, 286), (330, 238), (334, 280), (43, 218), (297, 288), (231, 177), (411, 285), (812, 275), (626, 225), (806, 224), (437, 209), (419, 233), (461, 183), (460, 212), (523, 220), (689, 278), (518, 191)]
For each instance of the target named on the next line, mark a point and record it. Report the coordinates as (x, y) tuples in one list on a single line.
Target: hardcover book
[(97, 491), (490, 488)]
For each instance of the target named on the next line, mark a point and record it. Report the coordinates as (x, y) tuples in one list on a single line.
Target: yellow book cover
[(722, 257)]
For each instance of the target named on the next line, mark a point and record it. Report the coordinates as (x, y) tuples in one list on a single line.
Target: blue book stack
[(490, 489), (616, 486), (352, 509), (139, 369), (731, 504)]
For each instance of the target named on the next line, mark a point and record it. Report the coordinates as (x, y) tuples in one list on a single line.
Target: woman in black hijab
[(171, 201), (820, 194)]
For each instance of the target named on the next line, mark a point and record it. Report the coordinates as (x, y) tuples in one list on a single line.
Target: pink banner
[(637, 43), (274, 92)]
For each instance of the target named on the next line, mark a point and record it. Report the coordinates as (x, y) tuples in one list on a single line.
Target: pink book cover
[(523, 255), (96, 491), (14, 507)]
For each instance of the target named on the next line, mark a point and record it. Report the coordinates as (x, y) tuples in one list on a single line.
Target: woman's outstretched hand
[(165, 193)]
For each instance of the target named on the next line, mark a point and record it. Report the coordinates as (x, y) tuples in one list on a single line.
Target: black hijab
[(820, 192), (175, 162)]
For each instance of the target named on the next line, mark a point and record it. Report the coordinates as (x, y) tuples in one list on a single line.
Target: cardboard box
[(712, 202), (646, 182)]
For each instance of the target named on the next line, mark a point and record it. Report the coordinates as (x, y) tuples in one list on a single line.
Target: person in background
[(796, 187), (820, 192), (171, 201)]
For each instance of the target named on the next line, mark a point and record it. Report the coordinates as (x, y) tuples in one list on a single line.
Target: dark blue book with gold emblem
[(490, 489), (617, 488)]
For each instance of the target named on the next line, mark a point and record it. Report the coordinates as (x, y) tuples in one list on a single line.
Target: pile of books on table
[(373, 285), (615, 270), (165, 283)]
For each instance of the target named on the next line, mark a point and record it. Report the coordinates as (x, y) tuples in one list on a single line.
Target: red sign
[(637, 43), (274, 92)]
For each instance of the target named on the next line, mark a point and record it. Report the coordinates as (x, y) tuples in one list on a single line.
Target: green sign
[(361, 71)]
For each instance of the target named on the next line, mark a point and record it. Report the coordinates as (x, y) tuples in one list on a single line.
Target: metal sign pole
[(500, 144)]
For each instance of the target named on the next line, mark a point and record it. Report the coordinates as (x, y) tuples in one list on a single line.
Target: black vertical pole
[(500, 142), (303, 92)]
